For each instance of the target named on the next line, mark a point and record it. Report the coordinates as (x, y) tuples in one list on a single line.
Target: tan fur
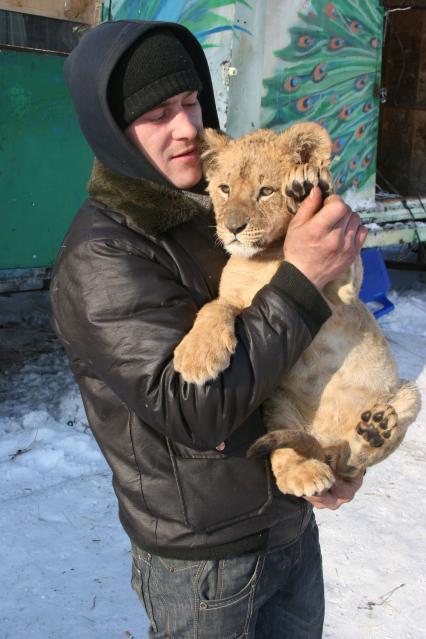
[(348, 370)]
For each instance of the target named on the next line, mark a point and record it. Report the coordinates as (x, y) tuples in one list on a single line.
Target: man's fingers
[(353, 222), (354, 232), (333, 198), (361, 236), (333, 213), (349, 226), (326, 501), (345, 231), (308, 207), (342, 492)]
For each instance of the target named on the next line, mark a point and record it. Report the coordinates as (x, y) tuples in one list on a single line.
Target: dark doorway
[(401, 153)]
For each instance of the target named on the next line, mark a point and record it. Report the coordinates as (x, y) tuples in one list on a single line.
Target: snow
[(374, 548), (359, 203), (65, 566)]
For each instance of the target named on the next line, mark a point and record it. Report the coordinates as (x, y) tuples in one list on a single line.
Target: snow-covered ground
[(65, 562)]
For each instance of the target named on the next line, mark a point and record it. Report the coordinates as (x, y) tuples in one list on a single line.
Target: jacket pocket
[(216, 490)]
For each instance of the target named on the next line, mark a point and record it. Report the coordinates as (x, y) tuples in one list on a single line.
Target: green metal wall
[(44, 159)]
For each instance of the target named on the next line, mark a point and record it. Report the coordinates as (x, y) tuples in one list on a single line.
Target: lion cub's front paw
[(300, 181), (201, 357), (309, 477), (377, 425)]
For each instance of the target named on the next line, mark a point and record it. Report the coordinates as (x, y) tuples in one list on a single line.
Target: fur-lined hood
[(148, 208)]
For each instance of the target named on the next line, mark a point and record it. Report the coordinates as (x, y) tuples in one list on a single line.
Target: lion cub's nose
[(236, 229), (236, 220)]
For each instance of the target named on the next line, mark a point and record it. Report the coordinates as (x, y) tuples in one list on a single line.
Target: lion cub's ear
[(307, 143), (211, 143)]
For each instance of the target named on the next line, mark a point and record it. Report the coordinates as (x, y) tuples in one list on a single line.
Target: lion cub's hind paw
[(308, 478), (377, 425)]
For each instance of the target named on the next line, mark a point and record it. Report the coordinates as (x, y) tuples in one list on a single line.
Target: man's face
[(167, 134)]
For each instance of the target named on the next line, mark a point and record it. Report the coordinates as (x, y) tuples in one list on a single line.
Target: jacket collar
[(147, 207)]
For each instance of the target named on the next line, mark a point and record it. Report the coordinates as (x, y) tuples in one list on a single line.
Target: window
[(24, 31)]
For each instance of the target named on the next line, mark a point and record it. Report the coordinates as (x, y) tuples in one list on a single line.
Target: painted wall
[(325, 66), (294, 60), (273, 62)]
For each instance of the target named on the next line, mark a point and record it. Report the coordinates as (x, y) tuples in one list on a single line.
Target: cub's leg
[(297, 475), (300, 181), (381, 428), (206, 350)]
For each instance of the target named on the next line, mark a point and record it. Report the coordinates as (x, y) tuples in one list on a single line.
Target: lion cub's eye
[(265, 191), (224, 188)]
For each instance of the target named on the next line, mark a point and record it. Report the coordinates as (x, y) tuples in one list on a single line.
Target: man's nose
[(183, 126)]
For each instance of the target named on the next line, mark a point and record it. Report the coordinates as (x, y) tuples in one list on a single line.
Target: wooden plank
[(23, 279), (391, 217), (84, 11), (394, 214), (392, 223), (388, 237)]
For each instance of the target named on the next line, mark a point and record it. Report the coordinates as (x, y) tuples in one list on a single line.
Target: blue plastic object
[(376, 282)]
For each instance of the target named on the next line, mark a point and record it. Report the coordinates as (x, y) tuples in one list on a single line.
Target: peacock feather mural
[(199, 16), (329, 73)]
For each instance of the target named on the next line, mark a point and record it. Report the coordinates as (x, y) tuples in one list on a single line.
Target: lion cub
[(343, 406)]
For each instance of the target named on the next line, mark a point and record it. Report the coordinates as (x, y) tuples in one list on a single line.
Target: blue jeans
[(267, 595)]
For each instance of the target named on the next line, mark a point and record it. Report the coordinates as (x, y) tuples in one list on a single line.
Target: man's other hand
[(323, 239), (342, 492)]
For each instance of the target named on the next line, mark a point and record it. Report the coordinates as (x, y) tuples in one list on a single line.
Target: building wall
[(291, 61), (272, 63), (324, 65)]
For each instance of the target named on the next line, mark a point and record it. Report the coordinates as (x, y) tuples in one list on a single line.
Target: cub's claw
[(377, 425), (300, 181)]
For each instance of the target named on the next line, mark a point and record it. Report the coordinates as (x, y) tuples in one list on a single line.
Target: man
[(218, 551)]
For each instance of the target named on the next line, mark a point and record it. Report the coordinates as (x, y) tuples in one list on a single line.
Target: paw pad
[(377, 425)]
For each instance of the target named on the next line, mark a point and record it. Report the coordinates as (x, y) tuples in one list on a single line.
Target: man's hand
[(323, 241), (342, 491)]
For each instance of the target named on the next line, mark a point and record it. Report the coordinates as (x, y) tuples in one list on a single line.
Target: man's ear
[(307, 143), (211, 143)]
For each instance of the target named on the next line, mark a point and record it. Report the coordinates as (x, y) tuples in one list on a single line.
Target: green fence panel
[(44, 160)]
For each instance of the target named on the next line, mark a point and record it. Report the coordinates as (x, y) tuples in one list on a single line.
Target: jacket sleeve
[(125, 315)]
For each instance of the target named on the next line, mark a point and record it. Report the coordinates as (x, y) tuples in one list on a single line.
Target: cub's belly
[(335, 380)]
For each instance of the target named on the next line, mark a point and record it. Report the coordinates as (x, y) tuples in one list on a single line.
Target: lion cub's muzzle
[(236, 221)]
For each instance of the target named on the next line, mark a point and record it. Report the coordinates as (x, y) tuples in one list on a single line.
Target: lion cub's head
[(247, 180)]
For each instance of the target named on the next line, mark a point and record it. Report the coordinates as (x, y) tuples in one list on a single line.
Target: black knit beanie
[(153, 69)]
